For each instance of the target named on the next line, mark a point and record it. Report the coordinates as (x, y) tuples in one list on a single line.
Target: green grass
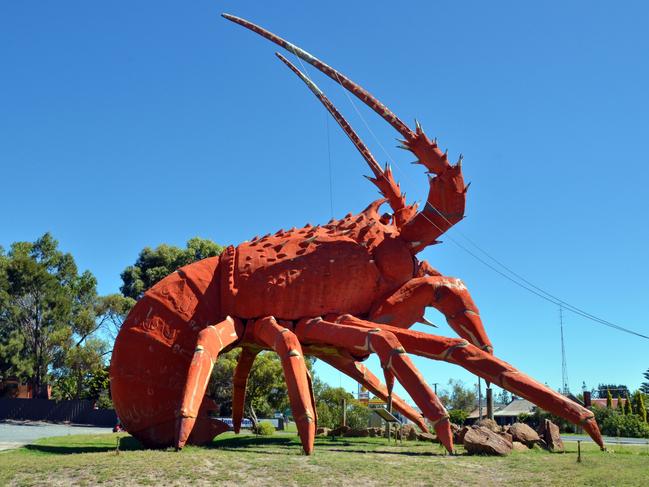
[(277, 460)]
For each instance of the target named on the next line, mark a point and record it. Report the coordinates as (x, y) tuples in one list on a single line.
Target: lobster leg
[(460, 352), (239, 382), (393, 358), (284, 342), (211, 340), (362, 375), (447, 294)]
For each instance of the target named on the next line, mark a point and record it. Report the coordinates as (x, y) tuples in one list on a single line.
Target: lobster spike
[(362, 94), (425, 321)]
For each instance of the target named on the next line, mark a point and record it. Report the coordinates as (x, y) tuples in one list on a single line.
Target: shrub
[(264, 429), (458, 416), (358, 416), (631, 426)]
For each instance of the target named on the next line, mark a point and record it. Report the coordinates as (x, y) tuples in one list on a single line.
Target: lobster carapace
[(339, 291)]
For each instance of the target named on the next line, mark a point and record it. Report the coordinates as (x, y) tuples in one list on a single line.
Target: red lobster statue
[(339, 292)]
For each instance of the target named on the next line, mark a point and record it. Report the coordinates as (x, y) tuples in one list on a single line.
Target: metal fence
[(75, 411)]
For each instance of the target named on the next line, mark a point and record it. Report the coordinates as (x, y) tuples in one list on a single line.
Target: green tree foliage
[(638, 405), (329, 404), (458, 416), (609, 399), (504, 397), (620, 405), (458, 397), (154, 264), (112, 311), (645, 385), (47, 309), (76, 377), (266, 391), (628, 410)]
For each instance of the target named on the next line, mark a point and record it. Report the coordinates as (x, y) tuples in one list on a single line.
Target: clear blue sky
[(129, 124)]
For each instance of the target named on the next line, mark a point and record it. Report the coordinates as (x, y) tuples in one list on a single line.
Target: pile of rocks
[(487, 438), (408, 432)]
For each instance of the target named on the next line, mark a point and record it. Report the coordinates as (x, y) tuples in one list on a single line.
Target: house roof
[(602, 402), (514, 408)]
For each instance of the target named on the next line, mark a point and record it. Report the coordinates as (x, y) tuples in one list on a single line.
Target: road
[(608, 439), (14, 434)]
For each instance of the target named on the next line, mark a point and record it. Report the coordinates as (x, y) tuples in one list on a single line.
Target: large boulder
[(489, 424), (426, 437), (408, 432), (517, 446), (357, 433), (551, 436), (524, 434), (479, 440), (459, 438), (339, 431)]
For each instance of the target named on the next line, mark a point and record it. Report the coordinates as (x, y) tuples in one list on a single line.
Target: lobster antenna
[(358, 91), (383, 178)]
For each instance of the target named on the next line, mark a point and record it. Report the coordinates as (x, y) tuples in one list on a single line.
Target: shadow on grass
[(252, 445), (126, 443)]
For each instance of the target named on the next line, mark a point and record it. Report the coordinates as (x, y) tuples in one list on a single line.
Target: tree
[(645, 385), (154, 264), (458, 397), (47, 307), (80, 364), (620, 406), (628, 411), (111, 311), (266, 390), (329, 404), (638, 405), (609, 399), (504, 397)]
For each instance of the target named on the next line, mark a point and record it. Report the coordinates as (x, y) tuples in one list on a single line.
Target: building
[(504, 414)]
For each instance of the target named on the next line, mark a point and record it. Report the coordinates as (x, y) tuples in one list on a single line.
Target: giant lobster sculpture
[(339, 292)]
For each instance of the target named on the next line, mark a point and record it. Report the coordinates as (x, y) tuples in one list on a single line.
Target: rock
[(455, 431), (322, 431), (480, 440), (339, 431), (489, 424), (552, 436), (518, 446), (408, 432), (357, 433), (524, 434), (459, 438), (426, 437), (507, 436)]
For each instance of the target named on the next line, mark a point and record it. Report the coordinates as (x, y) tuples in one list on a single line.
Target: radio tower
[(564, 367)]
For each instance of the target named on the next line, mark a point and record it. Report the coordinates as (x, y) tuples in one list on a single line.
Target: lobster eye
[(385, 218)]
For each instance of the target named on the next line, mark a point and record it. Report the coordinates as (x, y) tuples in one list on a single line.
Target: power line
[(517, 278)]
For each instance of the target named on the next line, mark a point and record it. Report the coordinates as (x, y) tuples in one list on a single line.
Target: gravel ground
[(17, 433)]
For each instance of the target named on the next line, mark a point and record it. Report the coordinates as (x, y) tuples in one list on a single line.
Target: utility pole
[(435, 386), (479, 400), (564, 367)]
